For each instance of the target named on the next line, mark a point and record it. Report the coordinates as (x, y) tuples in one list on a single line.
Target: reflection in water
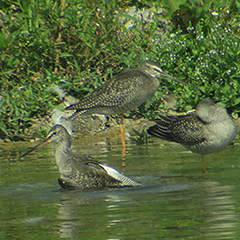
[(79, 211), (66, 213), (199, 209), (220, 206)]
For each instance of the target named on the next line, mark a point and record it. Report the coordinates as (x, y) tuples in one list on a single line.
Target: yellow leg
[(123, 141), (203, 163)]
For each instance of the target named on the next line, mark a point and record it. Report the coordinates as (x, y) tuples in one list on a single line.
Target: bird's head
[(56, 134), (153, 69)]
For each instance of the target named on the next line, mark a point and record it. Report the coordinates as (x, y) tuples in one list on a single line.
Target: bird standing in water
[(207, 130), (79, 171), (126, 91)]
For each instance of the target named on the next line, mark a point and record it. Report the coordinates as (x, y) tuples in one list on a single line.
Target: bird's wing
[(88, 172), (188, 132), (85, 161), (114, 92), (111, 175), (185, 129), (161, 129), (125, 181)]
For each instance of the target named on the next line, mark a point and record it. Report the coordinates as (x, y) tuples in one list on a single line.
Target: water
[(176, 200)]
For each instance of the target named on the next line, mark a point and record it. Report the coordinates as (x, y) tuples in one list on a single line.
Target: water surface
[(176, 200)]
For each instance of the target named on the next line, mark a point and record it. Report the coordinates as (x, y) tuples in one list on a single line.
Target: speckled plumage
[(80, 171), (124, 92), (207, 130)]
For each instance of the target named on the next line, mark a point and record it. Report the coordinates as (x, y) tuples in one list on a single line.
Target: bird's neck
[(63, 154)]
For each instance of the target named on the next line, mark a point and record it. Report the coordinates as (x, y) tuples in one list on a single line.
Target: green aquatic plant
[(141, 137)]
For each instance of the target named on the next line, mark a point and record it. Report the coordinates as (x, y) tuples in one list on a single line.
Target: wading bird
[(207, 130), (125, 91)]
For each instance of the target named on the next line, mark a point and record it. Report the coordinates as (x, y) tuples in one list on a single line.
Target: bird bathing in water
[(207, 130), (80, 171)]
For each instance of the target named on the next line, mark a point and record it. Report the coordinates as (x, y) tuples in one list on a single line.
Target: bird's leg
[(203, 163), (123, 141)]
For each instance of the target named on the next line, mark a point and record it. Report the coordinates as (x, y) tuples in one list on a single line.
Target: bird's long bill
[(37, 146), (163, 74)]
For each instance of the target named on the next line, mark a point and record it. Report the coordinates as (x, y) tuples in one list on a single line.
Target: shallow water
[(176, 200)]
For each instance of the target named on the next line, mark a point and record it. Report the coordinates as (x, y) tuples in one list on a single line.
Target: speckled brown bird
[(80, 171), (207, 130), (123, 92)]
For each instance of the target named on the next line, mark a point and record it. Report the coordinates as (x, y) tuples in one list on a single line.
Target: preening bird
[(207, 130)]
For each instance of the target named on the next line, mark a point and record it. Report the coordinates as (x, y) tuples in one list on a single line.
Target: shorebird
[(207, 130), (80, 171), (126, 91)]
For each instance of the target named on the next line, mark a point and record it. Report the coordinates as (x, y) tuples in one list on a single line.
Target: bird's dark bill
[(37, 146), (163, 74)]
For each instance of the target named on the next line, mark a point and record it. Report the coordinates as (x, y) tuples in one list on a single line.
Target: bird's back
[(84, 172), (123, 92)]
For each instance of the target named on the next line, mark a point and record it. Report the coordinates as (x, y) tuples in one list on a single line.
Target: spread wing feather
[(184, 129)]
